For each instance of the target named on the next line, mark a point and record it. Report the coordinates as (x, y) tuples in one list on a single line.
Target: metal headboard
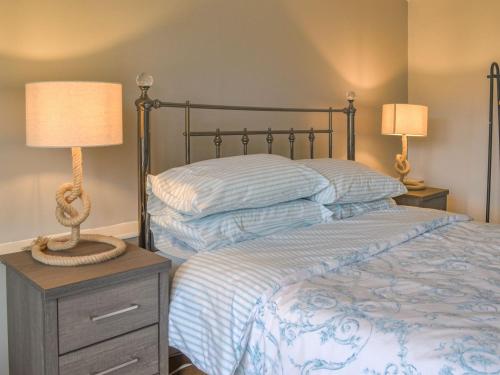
[(145, 105)]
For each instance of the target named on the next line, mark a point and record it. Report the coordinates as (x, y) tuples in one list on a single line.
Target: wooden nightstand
[(107, 318), (428, 198)]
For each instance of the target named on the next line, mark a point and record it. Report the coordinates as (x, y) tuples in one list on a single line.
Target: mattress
[(403, 290)]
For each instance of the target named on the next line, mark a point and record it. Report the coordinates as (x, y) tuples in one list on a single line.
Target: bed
[(393, 290)]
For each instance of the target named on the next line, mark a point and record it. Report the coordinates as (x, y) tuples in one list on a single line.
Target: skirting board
[(122, 230)]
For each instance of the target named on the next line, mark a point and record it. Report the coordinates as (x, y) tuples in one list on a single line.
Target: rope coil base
[(39, 247), (69, 216)]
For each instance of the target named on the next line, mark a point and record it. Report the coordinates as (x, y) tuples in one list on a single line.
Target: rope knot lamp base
[(69, 216), (403, 167)]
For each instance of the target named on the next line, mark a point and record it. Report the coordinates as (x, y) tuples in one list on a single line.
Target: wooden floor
[(179, 360)]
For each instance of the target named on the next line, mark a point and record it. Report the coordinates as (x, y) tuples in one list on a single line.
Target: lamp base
[(414, 185), (403, 167), (41, 252), (69, 216)]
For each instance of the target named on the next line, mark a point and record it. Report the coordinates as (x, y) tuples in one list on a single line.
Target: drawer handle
[(114, 313), (117, 367)]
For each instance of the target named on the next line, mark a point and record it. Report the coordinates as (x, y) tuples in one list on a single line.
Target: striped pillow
[(346, 210), (352, 182), (213, 231), (226, 184)]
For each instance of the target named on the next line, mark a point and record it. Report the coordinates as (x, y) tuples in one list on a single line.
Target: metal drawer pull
[(117, 312), (118, 367)]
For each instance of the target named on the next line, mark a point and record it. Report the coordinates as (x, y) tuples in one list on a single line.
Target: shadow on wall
[(281, 53)]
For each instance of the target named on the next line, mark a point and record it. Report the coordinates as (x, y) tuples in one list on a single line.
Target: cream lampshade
[(73, 115), (405, 120)]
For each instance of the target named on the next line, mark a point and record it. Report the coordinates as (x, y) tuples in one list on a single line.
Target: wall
[(276, 53), (451, 45)]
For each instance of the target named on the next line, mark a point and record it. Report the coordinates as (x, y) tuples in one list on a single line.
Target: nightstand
[(428, 198), (107, 318)]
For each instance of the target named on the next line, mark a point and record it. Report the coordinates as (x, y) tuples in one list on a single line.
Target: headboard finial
[(144, 81), (350, 95)]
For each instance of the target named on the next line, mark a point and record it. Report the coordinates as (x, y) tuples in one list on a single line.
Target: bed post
[(493, 76), (144, 105), (350, 111)]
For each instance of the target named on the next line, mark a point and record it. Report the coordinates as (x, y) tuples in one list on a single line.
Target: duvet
[(398, 291)]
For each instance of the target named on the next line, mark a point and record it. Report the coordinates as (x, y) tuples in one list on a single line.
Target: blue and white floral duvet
[(399, 291)]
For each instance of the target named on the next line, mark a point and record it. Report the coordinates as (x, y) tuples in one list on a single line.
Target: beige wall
[(258, 52), (277, 53), (451, 45)]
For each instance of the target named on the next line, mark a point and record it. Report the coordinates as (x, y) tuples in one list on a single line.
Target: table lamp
[(73, 115), (405, 120)]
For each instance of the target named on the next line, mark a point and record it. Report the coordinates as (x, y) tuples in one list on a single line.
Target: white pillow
[(352, 182), (213, 231), (232, 183)]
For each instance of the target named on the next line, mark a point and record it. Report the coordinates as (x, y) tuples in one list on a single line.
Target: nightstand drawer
[(135, 353), (104, 313)]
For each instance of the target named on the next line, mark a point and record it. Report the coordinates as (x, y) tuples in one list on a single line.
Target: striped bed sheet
[(169, 247), (249, 308)]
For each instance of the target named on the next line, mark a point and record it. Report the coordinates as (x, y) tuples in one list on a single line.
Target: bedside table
[(106, 318), (428, 198)]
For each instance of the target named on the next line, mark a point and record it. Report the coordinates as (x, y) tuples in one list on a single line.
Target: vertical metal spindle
[(187, 132), (217, 142), (330, 133), (311, 143), (269, 140), (245, 140), (351, 135), (497, 73), (494, 75), (490, 145), (291, 139), (144, 106)]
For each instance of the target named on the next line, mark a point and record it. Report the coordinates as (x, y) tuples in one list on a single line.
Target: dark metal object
[(291, 139), (269, 140), (493, 76), (311, 143), (254, 132), (245, 139), (145, 104), (159, 104), (217, 142), (351, 135), (330, 132), (187, 130)]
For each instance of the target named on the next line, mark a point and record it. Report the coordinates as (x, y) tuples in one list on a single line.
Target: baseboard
[(122, 230)]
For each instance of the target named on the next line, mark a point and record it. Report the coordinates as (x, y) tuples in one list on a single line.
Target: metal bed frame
[(493, 77), (145, 105)]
